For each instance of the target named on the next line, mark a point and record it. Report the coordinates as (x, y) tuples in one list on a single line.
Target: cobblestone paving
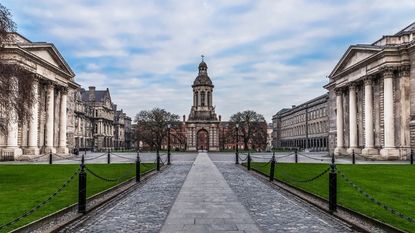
[(144, 210), (275, 211)]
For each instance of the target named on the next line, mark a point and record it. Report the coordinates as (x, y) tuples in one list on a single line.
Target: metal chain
[(123, 157), (375, 201), (125, 174), (322, 160), (305, 180), (262, 166), (246, 157), (44, 202)]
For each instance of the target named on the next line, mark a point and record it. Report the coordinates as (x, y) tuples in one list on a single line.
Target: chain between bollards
[(137, 168), (272, 168), (109, 157), (50, 157), (158, 160), (168, 145), (249, 161), (333, 188), (82, 188)]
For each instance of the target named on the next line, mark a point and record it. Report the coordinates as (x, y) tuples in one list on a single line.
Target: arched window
[(203, 97), (197, 98), (208, 99)]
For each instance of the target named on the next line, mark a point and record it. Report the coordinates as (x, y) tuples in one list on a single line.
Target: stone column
[(33, 148), (369, 135), (63, 149), (339, 123), (352, 120), (389, 151), (50, 118), (12, 146)]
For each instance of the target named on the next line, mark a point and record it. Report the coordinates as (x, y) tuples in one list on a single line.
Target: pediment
[(50, 54), (353, 56)]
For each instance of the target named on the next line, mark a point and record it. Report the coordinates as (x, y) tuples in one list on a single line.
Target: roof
[(202, 79), (408, 29), (99, 95)]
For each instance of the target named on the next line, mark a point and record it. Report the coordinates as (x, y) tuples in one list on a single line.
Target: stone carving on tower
[(203, 124)]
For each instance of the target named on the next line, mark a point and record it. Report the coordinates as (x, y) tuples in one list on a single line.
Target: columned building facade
[(50, 128), (304, 126), (202, 126), (372, 98)]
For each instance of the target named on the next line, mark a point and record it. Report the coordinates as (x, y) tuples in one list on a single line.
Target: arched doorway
[(202, 140)]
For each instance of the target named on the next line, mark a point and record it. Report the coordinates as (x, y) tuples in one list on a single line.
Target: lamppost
[(237, 144), (168, 144)]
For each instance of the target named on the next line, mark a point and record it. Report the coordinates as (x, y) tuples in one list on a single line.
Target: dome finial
[(203, 56)]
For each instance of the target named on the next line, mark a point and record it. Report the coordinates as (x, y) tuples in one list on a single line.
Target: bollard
[(296, 156), (412, 157), (332, 158), (236, 157), (353, 157), (249, 161), (272, 168), (137, 168), (82, 188), (333, 188), (158, 161), (109, 157), (50, 157)]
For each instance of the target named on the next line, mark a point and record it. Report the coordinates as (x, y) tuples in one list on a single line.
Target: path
[(206, 203)]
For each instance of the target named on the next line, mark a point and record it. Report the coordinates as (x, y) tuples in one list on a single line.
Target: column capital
[(404, 70), (352, 86), (63, 89), (387, 71), (368, 80), (339, 90)]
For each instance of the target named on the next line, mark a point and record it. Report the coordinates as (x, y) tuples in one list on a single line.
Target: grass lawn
[(393, 185), (24, 186)]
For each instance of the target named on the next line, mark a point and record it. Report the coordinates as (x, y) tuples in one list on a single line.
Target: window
[(203, 98)]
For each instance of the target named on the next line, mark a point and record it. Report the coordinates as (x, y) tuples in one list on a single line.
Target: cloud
[(262, 55)]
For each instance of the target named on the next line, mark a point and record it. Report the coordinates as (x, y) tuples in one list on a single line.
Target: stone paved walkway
[(144, 210), (206, 203), (274, 210)]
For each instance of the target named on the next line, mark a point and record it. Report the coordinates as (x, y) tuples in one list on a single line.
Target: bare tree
[(152, 126), (16, 82), (252, 129)]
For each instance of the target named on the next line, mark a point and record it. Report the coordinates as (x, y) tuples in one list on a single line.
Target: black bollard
[(333, 188), (236, 157), (82, 188), (412, 156), (296, 156), (137, 168), (272, 168), (249, 161), (109, 157), (158, 161), (353, 157), (50, 157)]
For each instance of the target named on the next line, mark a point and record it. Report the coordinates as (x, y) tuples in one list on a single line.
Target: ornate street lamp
[(168, 144), (237, 144)]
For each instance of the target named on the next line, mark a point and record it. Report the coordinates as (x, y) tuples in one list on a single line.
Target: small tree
[(16, 82), (252, 129), (152, 126)]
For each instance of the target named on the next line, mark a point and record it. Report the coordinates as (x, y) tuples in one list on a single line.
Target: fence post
[(137, 168), (412, 156), (82, 188), (296, 156), (249, 161), (109, 157), (353, 157), (333, 188), (50, 157), (272, 168), (158, 160)]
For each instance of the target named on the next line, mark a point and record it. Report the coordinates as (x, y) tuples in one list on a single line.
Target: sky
[(261, 55)]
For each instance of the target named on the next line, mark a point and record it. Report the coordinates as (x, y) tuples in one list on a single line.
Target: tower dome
[(202, 78)]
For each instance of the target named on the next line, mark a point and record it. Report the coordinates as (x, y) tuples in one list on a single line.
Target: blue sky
[(262, 55)]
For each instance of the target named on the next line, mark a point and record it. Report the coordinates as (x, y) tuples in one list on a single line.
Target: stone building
[(102, 117), (84, 123), (122, 130), (128, 132), (304, 126), (202, 126), (372, 98), (51, 128)]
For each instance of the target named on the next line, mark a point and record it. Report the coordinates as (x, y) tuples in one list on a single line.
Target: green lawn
[(24, 186), (393, 185)]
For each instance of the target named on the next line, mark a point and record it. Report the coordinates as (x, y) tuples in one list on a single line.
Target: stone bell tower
[(203, 124)]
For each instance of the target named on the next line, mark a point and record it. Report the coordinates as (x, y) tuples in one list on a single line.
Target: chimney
[(91, 93), (184, 118), (220, 118), (292, 106)]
